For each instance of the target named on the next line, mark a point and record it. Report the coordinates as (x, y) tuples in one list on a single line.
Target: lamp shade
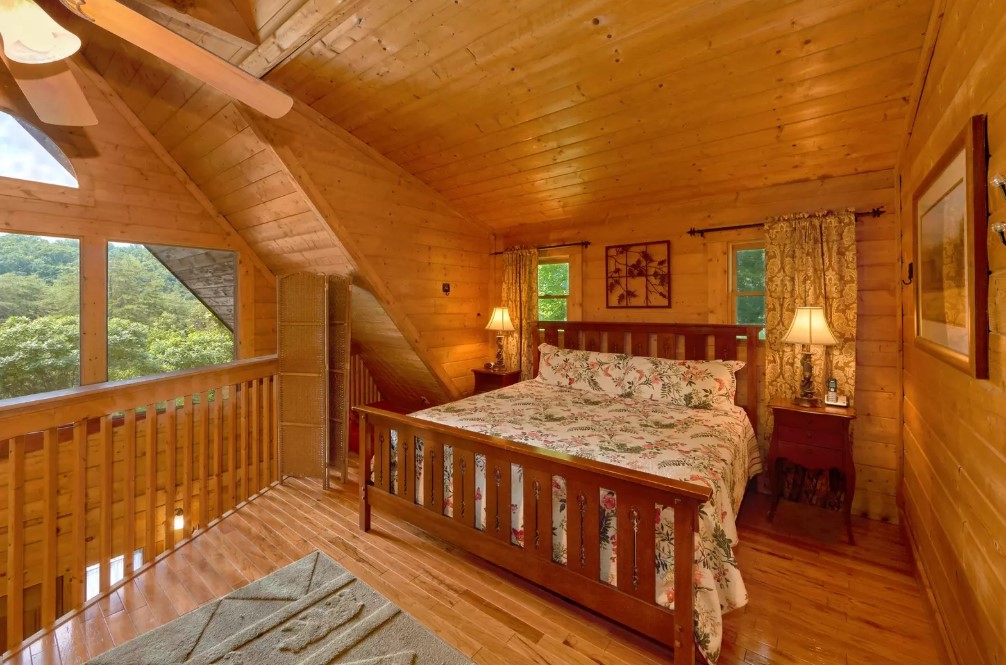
[(500, 320), (31, 37), (810, 326)]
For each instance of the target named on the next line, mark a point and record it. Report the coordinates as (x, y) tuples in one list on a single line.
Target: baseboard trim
[(923, 578)]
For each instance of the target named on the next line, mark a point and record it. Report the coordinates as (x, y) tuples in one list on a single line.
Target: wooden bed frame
[(630, 603)]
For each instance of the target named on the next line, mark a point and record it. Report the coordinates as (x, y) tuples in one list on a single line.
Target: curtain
[(520, 296), (810, 260)]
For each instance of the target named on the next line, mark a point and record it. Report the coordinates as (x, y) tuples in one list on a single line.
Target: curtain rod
[(582, 243), (876, 212)]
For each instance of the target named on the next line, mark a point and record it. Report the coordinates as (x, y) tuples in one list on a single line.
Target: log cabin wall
[(131, 191), (955, 426), (699, 290)]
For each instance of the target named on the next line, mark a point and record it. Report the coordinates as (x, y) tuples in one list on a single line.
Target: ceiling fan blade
[(180, 52), (53, 93)]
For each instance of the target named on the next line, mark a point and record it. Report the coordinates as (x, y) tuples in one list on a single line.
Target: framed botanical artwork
[(951, 257), (639, 275)]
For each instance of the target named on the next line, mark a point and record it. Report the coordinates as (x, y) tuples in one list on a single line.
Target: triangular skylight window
[(26, 153)]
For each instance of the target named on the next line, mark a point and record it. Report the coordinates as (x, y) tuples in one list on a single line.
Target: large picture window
[(39, 314), (169, 308)]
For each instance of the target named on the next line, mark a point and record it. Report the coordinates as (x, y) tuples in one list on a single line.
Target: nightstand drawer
[(822, 437), (810, 457), (809, 421)]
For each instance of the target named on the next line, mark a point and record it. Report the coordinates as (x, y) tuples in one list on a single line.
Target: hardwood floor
[(814, 599)]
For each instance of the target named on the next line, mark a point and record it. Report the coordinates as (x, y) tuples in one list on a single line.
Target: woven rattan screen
[(303, 375), (338, 372)]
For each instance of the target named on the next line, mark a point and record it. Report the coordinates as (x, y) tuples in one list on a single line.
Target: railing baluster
[(129, 488), (204, 459), (15, 541), (78, 575), (218, 449), (232, 442), (170, 475), (50, 470), (266, 430), (274, 474), (256, 429), (187, 465), (150, 522), (105, 469), (243, 441)]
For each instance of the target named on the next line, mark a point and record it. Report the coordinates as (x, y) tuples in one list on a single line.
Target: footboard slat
[(583, 529), (594, 492), (636, 544), (538, 513)]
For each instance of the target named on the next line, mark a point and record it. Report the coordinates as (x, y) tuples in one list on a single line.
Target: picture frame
[(638, 275), (950, 213)]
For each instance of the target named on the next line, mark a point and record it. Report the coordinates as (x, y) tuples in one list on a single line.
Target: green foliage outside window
[(749, 280), (553, 291), (156, 325)]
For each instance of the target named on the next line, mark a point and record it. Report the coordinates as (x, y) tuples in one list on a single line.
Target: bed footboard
[(391, 486)]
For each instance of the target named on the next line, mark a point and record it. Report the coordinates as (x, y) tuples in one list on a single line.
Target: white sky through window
[(24, 156)]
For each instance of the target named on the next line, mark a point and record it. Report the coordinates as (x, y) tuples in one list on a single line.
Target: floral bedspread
[(715, 447)]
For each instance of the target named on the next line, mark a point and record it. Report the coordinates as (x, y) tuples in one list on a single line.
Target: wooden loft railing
[(95, 473)]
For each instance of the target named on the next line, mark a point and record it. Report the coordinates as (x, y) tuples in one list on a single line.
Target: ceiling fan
[(35, 48)]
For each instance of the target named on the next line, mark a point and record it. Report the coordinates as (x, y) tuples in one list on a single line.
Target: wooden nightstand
[(814, 438), (490, 379)]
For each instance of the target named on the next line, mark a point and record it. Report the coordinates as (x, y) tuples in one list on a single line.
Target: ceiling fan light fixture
[(31, 37)]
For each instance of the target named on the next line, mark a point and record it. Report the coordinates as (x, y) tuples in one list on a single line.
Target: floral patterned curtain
[(810, 260), (520, 296)]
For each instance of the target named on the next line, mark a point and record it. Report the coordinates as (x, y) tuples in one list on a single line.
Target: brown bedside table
[(814, 438), (490, 379)]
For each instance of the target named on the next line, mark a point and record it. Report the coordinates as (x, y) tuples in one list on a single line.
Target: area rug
[(312, 612)]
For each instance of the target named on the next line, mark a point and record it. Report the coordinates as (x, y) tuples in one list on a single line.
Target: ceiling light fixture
[(31, 37)]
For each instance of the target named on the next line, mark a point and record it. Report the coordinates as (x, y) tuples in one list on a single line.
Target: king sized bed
[(629, 451)]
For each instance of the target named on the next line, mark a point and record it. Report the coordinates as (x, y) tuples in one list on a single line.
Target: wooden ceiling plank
[(255, 167), (740, 75), (216, 17), (231, 152), (691, 49), (688, 147), (220, 127)]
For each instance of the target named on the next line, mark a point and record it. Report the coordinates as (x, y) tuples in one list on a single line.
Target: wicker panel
[(339, 289), (303, 392)]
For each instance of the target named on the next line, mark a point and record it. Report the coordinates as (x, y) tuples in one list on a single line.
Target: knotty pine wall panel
[(955, 426), (699, 293)]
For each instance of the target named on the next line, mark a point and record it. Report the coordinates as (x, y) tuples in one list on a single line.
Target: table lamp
[(809, 327), (501, 323)]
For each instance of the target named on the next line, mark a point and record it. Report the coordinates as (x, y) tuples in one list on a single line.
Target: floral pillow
[(697, 384), (583, 370)]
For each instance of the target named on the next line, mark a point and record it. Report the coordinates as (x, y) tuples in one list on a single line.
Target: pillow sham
[(583, 370), (697, 384)]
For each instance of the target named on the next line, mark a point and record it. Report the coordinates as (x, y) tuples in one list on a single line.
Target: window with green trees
[(748, 285), (39, 314), (553, 290), (155, 323)]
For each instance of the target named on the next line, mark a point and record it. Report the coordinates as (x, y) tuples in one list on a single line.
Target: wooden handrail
[(33, 413), (162, 446), (680, 488)]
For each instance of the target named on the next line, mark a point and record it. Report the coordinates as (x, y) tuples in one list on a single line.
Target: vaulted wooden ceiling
[(541, 111)]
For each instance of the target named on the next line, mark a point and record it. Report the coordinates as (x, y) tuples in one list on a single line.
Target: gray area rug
[(312, 612)]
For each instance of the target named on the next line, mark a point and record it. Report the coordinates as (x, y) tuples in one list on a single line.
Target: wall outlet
[(447, 289)]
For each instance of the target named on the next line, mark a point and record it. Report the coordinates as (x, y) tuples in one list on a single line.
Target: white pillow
[(698, 384), (583, 370)]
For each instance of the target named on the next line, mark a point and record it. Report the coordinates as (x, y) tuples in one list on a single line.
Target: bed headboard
[(676, 341)]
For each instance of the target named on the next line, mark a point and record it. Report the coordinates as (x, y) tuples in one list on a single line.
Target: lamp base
[(813, 402), (498, 365)]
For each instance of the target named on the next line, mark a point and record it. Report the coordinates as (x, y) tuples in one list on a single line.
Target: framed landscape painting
[(638, 275), (951, 256)]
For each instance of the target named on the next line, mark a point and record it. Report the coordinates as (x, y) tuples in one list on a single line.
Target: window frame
[(732, 292), (552, 260)]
